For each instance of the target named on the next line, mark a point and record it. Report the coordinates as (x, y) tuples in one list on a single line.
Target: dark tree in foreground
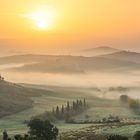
[(117, 137), (5, 135), (42, 130), (18, 137), (21, 137), (137, 135)]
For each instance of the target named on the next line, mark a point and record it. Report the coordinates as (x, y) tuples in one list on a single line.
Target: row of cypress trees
[(67, 111)]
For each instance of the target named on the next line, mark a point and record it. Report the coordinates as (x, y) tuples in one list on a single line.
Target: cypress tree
[(62, 109), (57, 111), (77, 104), (84, 102), (74, 106), (68, 107)]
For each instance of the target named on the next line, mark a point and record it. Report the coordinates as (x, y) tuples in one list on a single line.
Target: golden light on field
[(42, 19)]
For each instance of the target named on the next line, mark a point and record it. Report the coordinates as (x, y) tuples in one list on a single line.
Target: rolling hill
[(121, 61), (30, 58), (125, 56), (15, 98), (98, 51), (71, 65), (18, 59)]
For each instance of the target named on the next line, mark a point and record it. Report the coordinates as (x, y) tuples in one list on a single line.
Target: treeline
[(66, 112), (134, 104), (109, 119)]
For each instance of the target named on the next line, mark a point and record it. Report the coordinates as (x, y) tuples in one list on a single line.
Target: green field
[(99, 108)]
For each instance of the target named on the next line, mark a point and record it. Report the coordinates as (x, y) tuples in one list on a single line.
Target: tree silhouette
[(74, 106), (18, 137), (117, 137), (5, 135), (137, 135), (62, 109), (42, 130), (57, 111), (84, 102), (68, 107)]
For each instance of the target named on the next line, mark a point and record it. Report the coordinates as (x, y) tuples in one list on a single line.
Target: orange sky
[(76, 22)]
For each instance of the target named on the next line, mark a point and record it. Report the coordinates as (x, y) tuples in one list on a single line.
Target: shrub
[(124, 98), (117, 137), (137, 135), (134, 104)]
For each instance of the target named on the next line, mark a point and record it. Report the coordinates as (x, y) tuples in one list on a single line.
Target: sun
[(42, 19), (42, 24)]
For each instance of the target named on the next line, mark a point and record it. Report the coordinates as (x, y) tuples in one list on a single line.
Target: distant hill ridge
[(117, 61), (124, 55), (102, 48), (98, 51)]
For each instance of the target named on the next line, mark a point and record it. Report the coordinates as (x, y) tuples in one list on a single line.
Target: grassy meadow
[(99, 108)]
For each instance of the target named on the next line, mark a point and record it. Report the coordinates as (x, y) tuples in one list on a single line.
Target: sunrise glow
[(42, 19), (69, 69)]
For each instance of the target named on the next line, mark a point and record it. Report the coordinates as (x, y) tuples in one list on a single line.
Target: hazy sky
[(45, 24)]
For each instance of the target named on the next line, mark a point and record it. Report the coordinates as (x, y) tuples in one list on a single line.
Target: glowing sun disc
[(42, 19), (42, 24)]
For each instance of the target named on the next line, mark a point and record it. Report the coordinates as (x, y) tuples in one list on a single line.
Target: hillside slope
[(15, 98)]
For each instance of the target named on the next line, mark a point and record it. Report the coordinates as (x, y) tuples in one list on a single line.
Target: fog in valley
[(84, 82)]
